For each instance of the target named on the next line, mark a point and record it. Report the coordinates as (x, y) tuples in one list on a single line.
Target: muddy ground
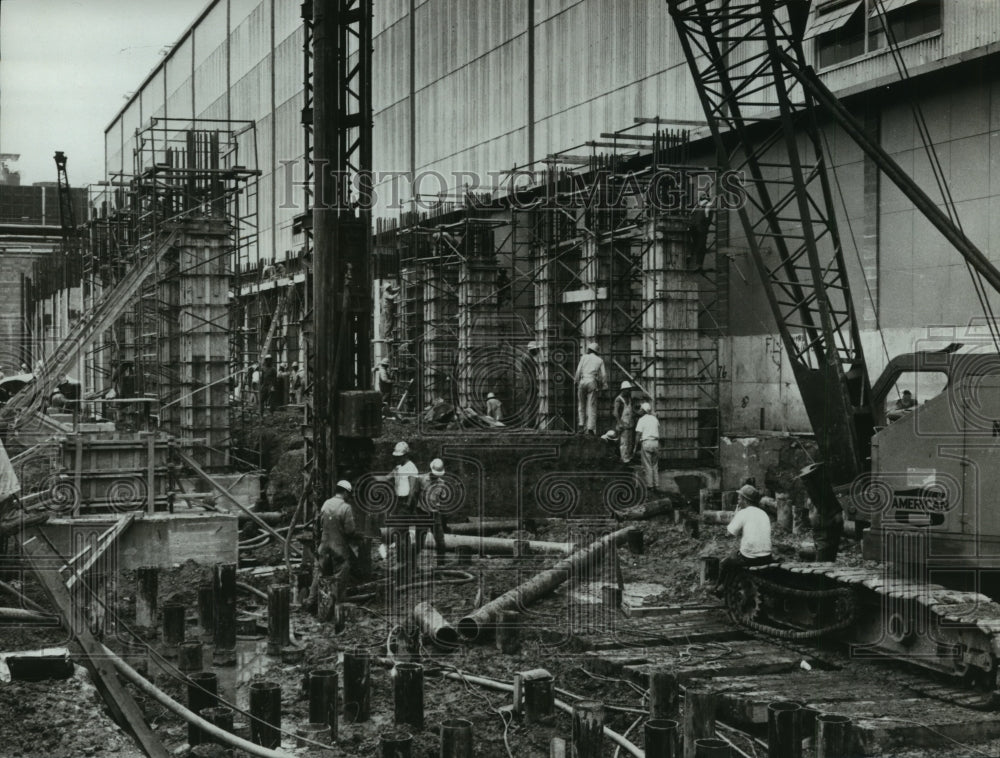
[(64, 719)]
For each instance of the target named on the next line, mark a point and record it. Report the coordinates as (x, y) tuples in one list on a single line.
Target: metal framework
[(342, 162), (584, 256), (758, 113)]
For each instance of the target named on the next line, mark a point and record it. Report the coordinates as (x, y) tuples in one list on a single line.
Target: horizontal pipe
[(192, 718), (434, 625), (20, 614), (496, 545), (538, 586)]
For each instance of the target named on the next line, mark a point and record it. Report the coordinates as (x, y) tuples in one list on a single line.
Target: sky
[(65, 69)]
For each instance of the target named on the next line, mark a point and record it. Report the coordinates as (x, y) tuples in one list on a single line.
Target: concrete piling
[(396, 745), (832, 736), (202, 693), (711, 747), (784, 730), (508, 632), (265, 713), (278, 626), (357, 686), (206, 610), (218, 716), (147, 581), (456, 738), (323, 699), (699, 718), (224, 595), (664, 694), (189, 656), (661, 738), (173, 628), (408, 694), (588, 729)]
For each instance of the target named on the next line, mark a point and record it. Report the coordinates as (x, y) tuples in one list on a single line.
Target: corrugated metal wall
[(597, 65)]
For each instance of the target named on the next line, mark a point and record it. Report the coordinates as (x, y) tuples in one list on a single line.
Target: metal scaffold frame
[(181, 339), (582, 256)]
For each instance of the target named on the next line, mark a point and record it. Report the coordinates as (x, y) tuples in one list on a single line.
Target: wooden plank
[(37, 553), (644, 611), (104, 542)]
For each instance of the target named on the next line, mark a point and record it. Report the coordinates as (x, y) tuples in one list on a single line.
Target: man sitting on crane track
[(753, 526)]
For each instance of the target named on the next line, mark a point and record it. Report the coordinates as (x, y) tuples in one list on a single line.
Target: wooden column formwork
[(671, 341), (194, 340)]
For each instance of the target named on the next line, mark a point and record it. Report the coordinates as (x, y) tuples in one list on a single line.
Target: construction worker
[(647, 444), (337, 535), (268, 385), (624, 421), (430, 493), (590, 377), (295, 383), (383, 383), (403, 478), (904, 405), (494, 408), (753, 526), (699, 224)]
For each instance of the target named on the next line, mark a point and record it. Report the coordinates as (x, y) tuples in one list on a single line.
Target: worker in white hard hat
[(524, 399), (494, 408), (647, 444), (624, 420), (337, 535), (590, 377), (403, 479), (431, 497)]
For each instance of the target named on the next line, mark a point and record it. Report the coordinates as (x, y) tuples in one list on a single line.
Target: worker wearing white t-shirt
[(753, 526)]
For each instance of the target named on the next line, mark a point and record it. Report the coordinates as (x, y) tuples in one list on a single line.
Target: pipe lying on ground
[(539, 585), (192, 718), (27, 601), (434, 625), (20, 614), (492, 526), (650, 510), (717, 517), (495, 545)]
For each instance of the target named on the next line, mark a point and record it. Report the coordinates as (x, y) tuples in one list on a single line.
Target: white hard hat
[(401, 449), (626, 385), (437, 467), (344, 485), (384, 362), (533, 345), (490, 396), (647, 408), (592, 347)]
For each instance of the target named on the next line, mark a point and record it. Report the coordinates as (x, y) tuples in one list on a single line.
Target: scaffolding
[(602, 245), (181, 338)]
